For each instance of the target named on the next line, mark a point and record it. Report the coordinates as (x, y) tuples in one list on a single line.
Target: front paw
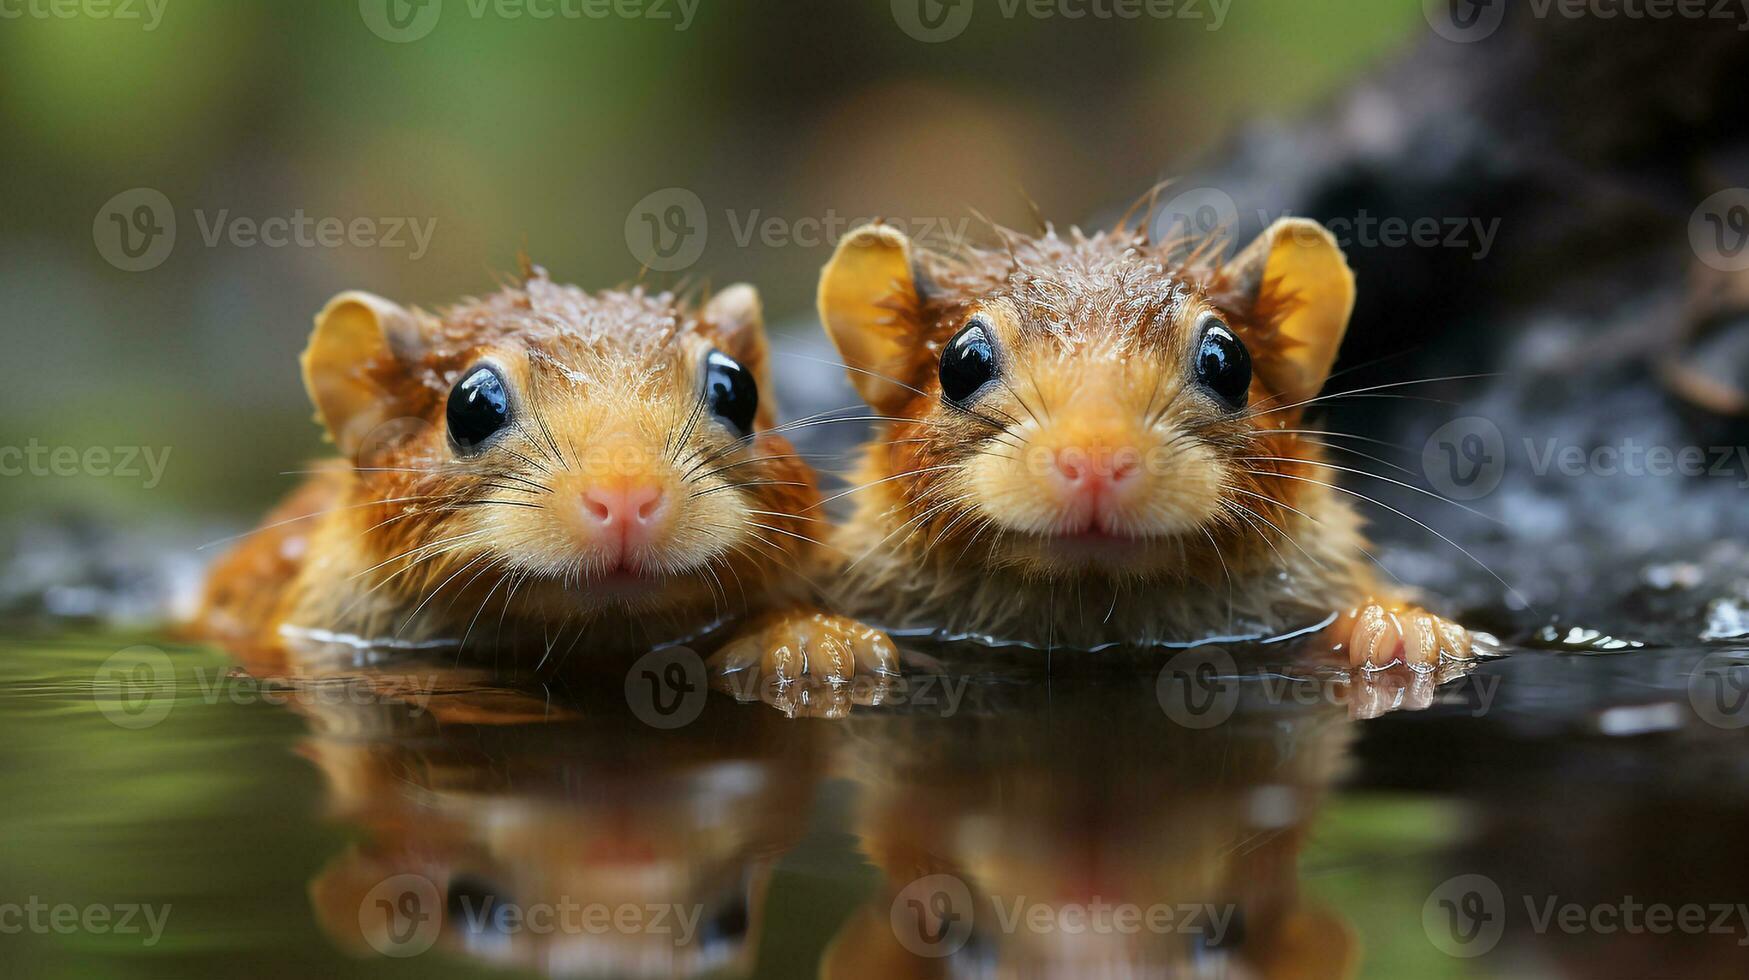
[(1378, 635), (807, 664)]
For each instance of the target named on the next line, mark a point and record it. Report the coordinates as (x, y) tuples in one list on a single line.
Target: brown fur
[(371, 547), (1232, 530)]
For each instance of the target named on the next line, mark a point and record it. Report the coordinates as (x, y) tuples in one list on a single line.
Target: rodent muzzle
[(1090, 483)]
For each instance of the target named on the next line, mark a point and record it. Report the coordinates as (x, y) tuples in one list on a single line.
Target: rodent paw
[(807, 664), (1377, 635)]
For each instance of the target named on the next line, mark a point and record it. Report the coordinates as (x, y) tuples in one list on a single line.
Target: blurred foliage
[(513, 132)]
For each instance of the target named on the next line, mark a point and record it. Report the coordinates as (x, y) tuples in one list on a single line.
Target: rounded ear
[(1294, 278), (360, 345), (869, 305), (737, 318)]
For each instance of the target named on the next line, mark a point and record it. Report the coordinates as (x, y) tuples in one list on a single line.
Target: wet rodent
[(532, 472), (1101, 438)]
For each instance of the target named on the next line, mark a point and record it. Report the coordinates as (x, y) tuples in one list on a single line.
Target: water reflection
[(585, 844), (1082, 830), (1076, 824)]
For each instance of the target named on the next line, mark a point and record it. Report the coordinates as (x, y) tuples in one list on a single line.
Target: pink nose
[(1087, 475), (629, 511)]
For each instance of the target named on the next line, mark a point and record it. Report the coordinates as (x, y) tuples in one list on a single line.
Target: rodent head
[(592, 449), (1098, 403)]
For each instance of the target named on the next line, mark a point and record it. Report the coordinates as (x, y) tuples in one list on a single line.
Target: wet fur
[(361, 548), (1253, 545)]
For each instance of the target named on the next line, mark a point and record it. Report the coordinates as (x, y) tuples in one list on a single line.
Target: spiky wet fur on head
[(427, 541), (956, 525)]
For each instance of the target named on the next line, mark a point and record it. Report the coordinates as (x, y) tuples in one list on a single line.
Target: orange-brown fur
[(1165, 815), (373, 545), (1231, 527)]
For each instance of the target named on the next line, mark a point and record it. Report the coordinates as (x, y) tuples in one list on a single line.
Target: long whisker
[(1359, 472), (1368, 390), (1460, 548), (323, 513), (887, 479), (433, 593)]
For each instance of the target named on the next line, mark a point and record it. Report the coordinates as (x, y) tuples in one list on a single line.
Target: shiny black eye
[(968, 363), (1223, 365), (479, 406), (730, 392)]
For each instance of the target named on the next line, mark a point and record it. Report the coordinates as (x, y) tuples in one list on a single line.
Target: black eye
[(730, 392), (479, 406), (1223, 365), (968, 363)]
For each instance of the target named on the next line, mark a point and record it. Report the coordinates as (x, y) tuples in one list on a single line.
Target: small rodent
[(1100, 439), (536, 471)]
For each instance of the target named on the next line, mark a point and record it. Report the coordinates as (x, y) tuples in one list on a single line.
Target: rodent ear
[(869, 304), (360, 344), (1295, 278), (737, 318)]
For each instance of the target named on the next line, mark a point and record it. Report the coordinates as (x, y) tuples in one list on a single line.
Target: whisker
[(323, 513), (887, 479), (1359, 472), (1460, 548)]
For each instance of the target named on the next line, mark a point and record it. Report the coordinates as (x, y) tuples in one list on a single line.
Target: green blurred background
[(503, 132)]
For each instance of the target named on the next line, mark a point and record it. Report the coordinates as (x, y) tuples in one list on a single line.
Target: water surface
[(1155, 816)]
